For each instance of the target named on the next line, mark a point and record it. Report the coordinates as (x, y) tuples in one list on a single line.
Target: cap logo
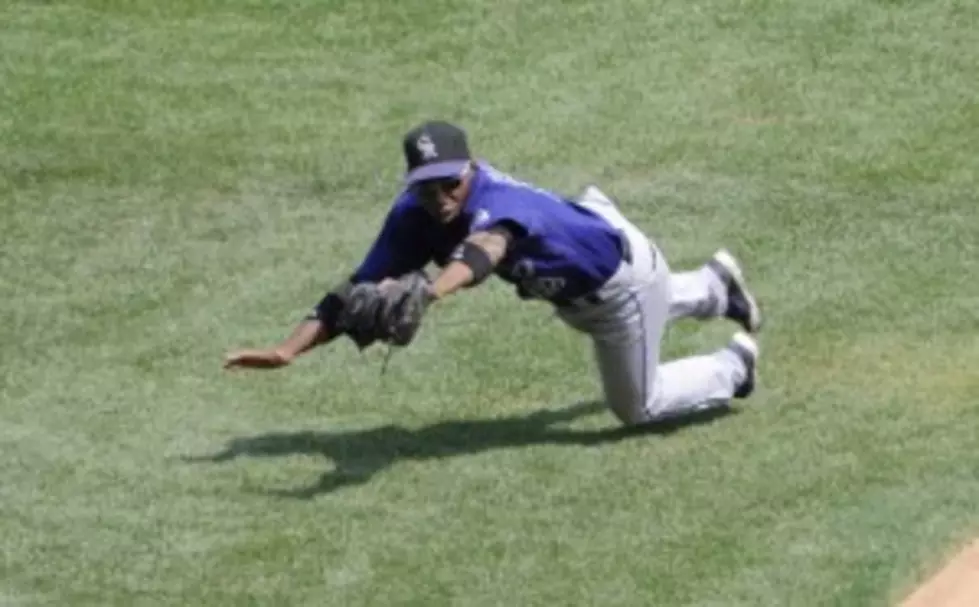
[(426, 147)]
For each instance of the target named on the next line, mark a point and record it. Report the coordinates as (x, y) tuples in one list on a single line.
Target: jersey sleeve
[(512, 213), (397, 249)]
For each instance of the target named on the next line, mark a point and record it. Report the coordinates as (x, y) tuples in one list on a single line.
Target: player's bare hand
[(256, 359)]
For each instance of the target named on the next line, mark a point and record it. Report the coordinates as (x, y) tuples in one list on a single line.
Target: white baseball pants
[(627, 329)]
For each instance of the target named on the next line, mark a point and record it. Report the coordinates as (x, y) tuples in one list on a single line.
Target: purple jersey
[(563, 251)]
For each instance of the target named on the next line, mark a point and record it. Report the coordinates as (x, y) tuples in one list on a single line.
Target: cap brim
[(438, 170)]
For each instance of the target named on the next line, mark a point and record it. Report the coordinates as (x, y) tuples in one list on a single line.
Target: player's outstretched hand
[(256, 359)]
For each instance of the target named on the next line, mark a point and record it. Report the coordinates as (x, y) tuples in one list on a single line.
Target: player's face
[(442, 198)]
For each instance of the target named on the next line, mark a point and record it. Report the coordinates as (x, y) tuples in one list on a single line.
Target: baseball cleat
[(741, 305), (745, 347)]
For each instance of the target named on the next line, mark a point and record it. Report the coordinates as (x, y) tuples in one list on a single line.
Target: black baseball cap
[(435, 150)]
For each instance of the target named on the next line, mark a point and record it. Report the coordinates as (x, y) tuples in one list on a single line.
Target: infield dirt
[(955, 585)]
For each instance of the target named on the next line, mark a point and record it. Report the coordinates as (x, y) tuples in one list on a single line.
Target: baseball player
[(603, 276)]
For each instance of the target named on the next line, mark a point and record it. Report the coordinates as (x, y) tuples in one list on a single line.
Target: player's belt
[(624, 247), (595, 298)]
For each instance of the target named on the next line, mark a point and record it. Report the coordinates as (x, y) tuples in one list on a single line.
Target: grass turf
[(178, 179)]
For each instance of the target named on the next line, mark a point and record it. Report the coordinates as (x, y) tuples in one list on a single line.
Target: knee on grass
[(634, 412)]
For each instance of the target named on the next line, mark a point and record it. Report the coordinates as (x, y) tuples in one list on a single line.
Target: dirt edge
[(955, 585)]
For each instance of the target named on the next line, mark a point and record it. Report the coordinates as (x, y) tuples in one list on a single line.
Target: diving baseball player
[(601, 274)]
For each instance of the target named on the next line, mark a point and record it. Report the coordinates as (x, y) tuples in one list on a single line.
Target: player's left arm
[(475, 259)]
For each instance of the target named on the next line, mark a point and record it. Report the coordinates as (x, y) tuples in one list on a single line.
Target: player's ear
[(467, 173)]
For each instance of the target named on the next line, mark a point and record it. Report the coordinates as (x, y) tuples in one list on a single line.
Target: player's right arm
[(307, 335), (393, 253)]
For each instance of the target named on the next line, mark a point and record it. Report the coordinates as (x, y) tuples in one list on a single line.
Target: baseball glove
[(391, 314)]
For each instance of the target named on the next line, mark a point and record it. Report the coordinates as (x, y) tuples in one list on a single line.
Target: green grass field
[(183, 178)]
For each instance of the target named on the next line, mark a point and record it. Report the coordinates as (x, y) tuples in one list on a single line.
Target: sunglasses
[(432, 187)]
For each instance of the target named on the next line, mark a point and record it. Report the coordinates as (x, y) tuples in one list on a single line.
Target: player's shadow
[(358, 455)]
